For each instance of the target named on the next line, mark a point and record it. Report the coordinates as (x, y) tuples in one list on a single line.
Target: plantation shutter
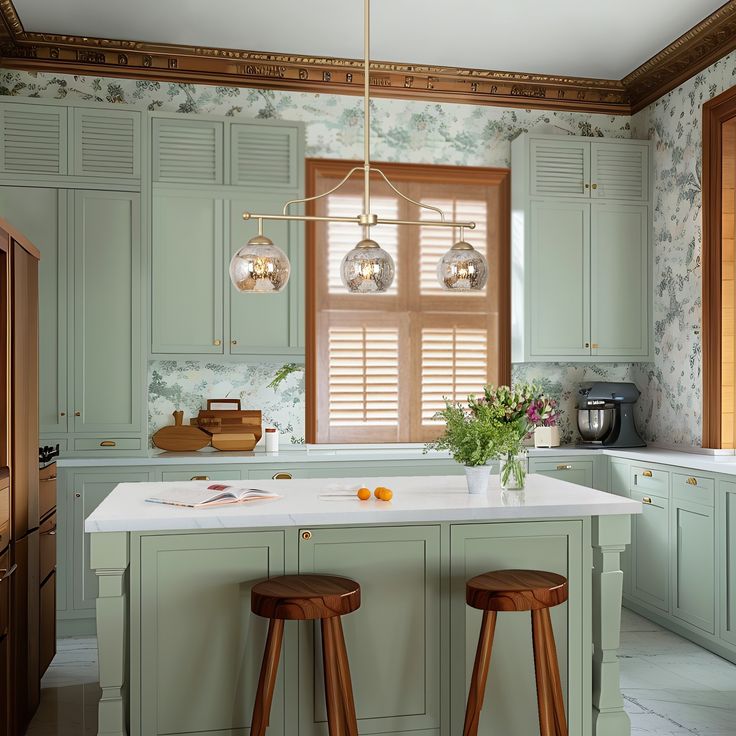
[(383, 364)]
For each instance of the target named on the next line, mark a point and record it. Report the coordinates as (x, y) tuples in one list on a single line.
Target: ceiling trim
[(709, 40)]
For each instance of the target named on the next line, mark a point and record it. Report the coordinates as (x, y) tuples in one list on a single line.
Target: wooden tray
[(237, 420)]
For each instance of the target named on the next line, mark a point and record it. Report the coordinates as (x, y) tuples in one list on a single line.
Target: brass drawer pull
[(647, 473), (200, 477), (283, 475), (47, 480), (692, 481), (108, 443), (646, 499), (306, 535), (564, 467), (5, 574), (49, 533)]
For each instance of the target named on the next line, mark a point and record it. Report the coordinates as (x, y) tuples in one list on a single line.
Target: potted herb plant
[(544, 415)]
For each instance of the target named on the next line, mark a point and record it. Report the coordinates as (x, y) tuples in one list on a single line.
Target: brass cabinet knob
[(217, 342), (306, 535), (646, 500), (77, 495), (77, 413), (62, 413), (594, 186), (587, 186), (233, 342), (587, 345), (692, 481)]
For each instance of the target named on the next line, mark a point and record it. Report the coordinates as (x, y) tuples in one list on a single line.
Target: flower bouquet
[(544, 415)]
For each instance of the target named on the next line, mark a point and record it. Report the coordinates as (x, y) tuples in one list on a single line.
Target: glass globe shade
[(367, 268), (260, 267), (462, 268)]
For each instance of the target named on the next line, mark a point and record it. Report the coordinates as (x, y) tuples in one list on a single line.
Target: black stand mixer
[(606, 415)]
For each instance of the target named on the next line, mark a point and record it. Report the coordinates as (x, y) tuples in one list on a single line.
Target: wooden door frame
[(715, 113), (314, 167)]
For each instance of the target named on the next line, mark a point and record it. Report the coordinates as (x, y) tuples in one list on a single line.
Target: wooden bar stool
[(308, 598), (519, 590)]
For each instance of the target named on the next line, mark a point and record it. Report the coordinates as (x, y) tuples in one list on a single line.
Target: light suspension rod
[(366, 114), (358, 220)]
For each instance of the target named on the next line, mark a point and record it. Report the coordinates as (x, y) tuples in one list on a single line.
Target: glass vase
[(513, 469)]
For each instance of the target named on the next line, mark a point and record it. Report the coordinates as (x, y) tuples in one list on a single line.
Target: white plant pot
[(547, 437), (477, 477)]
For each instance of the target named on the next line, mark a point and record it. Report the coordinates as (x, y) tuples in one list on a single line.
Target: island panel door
[(510, 705), (393, 639), (727, 559), (199, 646)]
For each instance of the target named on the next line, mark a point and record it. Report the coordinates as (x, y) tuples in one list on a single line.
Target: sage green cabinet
[(187, 275), (727, 560), (88, 491), (618, 483), (41, 214), (108, 365), (559, 278), (651, 551), (33, 139), (619, 280), (187, 150), (693, 564), (270, 324), (205, 473), (581, 250), (510, 705), (194, 600), (266, 154), (571, 470), (393, 639)]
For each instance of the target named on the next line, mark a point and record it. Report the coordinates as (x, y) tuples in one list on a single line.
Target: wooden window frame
[(430, 173), (716, 112)]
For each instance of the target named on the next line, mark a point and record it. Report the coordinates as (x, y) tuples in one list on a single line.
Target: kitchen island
[(180, 651)]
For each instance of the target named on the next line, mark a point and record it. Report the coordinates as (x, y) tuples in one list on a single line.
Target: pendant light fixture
[(262, 267)]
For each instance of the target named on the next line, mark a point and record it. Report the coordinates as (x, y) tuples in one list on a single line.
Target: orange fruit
[(384, 494), (364, 494), (377, 492)]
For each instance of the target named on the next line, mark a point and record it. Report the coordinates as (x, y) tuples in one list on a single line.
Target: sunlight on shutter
[(454, 364), (363, 376), (434, 242)]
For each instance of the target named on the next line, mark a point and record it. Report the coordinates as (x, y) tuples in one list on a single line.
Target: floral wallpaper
[(188, 384), (421, 132)]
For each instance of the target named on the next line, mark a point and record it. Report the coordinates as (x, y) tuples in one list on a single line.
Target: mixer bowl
[(595, 424)]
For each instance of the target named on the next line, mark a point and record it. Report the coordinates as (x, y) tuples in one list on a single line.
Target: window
[(380, 365)]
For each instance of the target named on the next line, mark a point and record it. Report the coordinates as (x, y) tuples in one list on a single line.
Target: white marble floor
[(671, 686)]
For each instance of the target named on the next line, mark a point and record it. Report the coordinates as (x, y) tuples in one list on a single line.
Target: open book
[(216, 494)]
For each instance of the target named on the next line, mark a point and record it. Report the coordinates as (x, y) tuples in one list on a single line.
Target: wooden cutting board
[(180, 437)]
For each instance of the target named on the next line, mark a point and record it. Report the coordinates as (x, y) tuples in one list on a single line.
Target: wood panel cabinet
[(196, 589), (581, 252), (394, 635)]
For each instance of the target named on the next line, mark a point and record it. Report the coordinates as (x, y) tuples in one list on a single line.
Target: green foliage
[(470, 439)]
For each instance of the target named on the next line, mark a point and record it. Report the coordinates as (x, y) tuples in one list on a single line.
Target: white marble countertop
[(416, 499)]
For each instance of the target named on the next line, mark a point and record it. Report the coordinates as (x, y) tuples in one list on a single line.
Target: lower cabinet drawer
[(693, 488), (47, 547), (650, 481), (579, 472), (172, 475), (46, 492), (277, 474), (93, 444), (47, 643)]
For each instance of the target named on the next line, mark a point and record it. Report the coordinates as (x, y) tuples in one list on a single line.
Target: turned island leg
[(611, 534), (109, 558)]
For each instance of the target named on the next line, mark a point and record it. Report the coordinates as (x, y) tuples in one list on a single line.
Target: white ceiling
[(594, 38)]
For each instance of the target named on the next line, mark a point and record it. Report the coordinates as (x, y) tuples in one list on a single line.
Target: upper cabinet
[(206, 172), (581, 250), (80, 144)]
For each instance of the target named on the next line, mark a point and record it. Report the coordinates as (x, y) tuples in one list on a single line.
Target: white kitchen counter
[(416, 499)]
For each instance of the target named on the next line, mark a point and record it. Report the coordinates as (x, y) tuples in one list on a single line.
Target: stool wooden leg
[(541, 671), (267, 679), (346, 685), (335, 719), (553, 671), (480, 674)]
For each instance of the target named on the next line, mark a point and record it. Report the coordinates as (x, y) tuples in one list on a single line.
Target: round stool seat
[(305, 597), (516, 590)]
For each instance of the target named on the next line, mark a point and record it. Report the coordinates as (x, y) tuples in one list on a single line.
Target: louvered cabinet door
[(107, 143), (187, 151), (265, 155), (620, 170), (33, 139), (560, 168), (266, 324)]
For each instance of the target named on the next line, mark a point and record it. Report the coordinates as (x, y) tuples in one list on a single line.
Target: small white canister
[(272, 439)]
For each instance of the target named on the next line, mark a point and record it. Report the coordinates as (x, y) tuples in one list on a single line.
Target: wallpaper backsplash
[(420, 132)]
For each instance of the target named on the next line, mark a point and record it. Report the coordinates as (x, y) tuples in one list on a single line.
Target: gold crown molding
[(693, 51), (702, 45)]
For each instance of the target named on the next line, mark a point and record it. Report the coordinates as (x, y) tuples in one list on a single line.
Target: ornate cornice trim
[(701, 46), (709, 40)]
